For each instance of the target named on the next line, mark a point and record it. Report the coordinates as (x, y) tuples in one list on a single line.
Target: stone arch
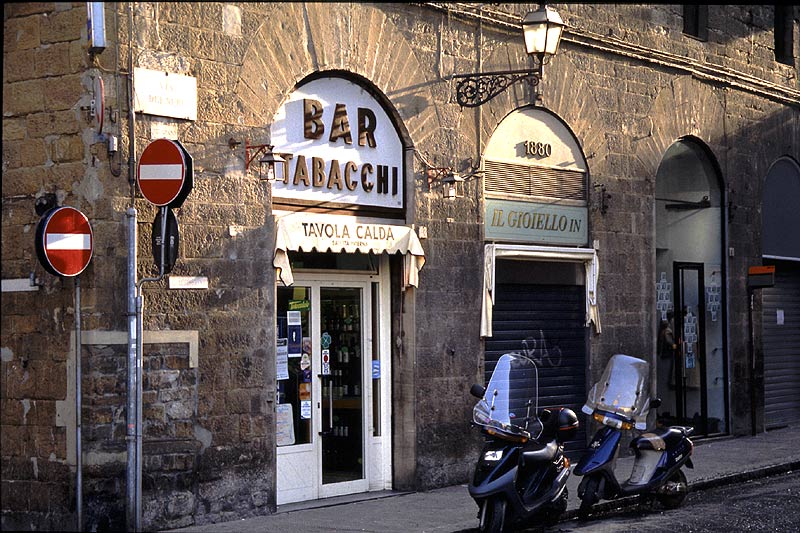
[(369, 45), (684, 108), (564, 92), (567, 94)]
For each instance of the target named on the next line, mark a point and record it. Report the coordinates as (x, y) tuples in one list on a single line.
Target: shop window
[(294, 375), (695, 21), (784, 36), (333, 261)]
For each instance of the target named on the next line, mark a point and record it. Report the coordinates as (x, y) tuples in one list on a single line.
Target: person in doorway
[(666, 338), (666, 346)]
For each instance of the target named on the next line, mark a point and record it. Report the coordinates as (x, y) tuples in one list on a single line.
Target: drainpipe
[(752, 376)]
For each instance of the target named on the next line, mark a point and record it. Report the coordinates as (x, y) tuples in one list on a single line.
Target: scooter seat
[(658, 439), (546, 452)]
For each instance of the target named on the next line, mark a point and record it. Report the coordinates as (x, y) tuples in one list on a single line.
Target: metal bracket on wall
[(602, 198)]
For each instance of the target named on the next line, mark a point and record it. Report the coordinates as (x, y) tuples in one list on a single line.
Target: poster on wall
[(284, 430), (282, 359), (295, 329), (305, 409)]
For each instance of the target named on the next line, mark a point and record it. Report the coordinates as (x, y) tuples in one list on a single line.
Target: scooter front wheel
[(493, 515), (559, 507), (674, 490), (589, 496)]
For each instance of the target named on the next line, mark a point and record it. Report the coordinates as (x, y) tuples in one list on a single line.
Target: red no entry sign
[(64, 241), (162, 170)]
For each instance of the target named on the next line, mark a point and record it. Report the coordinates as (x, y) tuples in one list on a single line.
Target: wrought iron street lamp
[(542, 30)]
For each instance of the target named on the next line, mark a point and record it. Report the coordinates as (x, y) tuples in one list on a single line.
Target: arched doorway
[(540, 278), (691, 373), (338, 200), (780, 318)]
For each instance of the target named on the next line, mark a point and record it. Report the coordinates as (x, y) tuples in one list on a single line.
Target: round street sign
[(172, 238), (64, 241), (161, 171)]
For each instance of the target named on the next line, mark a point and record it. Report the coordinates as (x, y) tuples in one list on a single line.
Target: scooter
[(522, 472), (619, 401)]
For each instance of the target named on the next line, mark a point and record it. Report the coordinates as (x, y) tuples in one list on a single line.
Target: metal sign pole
[(139, 358), (78, 453), (133, 329), (139, 362)]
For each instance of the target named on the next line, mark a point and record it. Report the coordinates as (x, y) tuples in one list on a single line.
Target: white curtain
[(587, 256)]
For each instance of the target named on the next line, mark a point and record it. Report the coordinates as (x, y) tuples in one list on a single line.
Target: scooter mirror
[(655, 402), (477, 390)]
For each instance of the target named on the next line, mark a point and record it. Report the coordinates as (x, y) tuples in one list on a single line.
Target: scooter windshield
[(622, 390), (510, 404)]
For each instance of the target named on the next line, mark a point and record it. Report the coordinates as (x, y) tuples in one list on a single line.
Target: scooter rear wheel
[(494, 519), (677, 488)]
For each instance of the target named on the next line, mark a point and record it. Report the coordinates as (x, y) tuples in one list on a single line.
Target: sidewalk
[(716, 462)]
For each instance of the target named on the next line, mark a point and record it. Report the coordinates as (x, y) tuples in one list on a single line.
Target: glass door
[(341, 345), (323, 360), (295, 415), (690, 375)]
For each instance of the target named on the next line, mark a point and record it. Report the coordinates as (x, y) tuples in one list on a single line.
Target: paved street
[(725, 470), (768, 504)]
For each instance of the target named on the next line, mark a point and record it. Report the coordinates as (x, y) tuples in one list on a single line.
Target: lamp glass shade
[(453, 186), (269, 160), (542, 29)]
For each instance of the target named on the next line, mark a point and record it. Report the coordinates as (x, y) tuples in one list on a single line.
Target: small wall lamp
[(267, 161), (602, 198), (452, 186), (270, 160), (542, 31), (452, 183)]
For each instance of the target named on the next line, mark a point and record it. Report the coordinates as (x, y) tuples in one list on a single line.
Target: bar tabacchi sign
[(340, 147)]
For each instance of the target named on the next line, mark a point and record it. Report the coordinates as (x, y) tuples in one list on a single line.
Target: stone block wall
[(626, 80), (170, 447), (44, 85)]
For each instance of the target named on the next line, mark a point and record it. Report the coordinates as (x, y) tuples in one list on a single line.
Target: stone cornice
[(701, 70)]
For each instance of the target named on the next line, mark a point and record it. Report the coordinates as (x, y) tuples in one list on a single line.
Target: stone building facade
[(318, 333)]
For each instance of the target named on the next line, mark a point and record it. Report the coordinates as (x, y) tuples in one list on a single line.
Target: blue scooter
[(619, 401), (522, 472)]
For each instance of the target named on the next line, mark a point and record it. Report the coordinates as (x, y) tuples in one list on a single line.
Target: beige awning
[(345, 234), (587, 256)]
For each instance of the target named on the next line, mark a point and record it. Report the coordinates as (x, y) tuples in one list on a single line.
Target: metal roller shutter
[(546, 323), (781, 338)]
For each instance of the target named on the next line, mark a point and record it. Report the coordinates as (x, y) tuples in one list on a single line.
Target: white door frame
[(295, 480)]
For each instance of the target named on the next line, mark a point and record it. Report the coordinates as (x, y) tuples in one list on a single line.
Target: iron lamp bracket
[(473, 90)]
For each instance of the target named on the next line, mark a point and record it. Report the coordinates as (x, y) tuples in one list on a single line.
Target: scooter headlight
[(612, 421)]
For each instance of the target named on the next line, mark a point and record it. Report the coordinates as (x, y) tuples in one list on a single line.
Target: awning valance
[(345, 234), (587, 256)]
